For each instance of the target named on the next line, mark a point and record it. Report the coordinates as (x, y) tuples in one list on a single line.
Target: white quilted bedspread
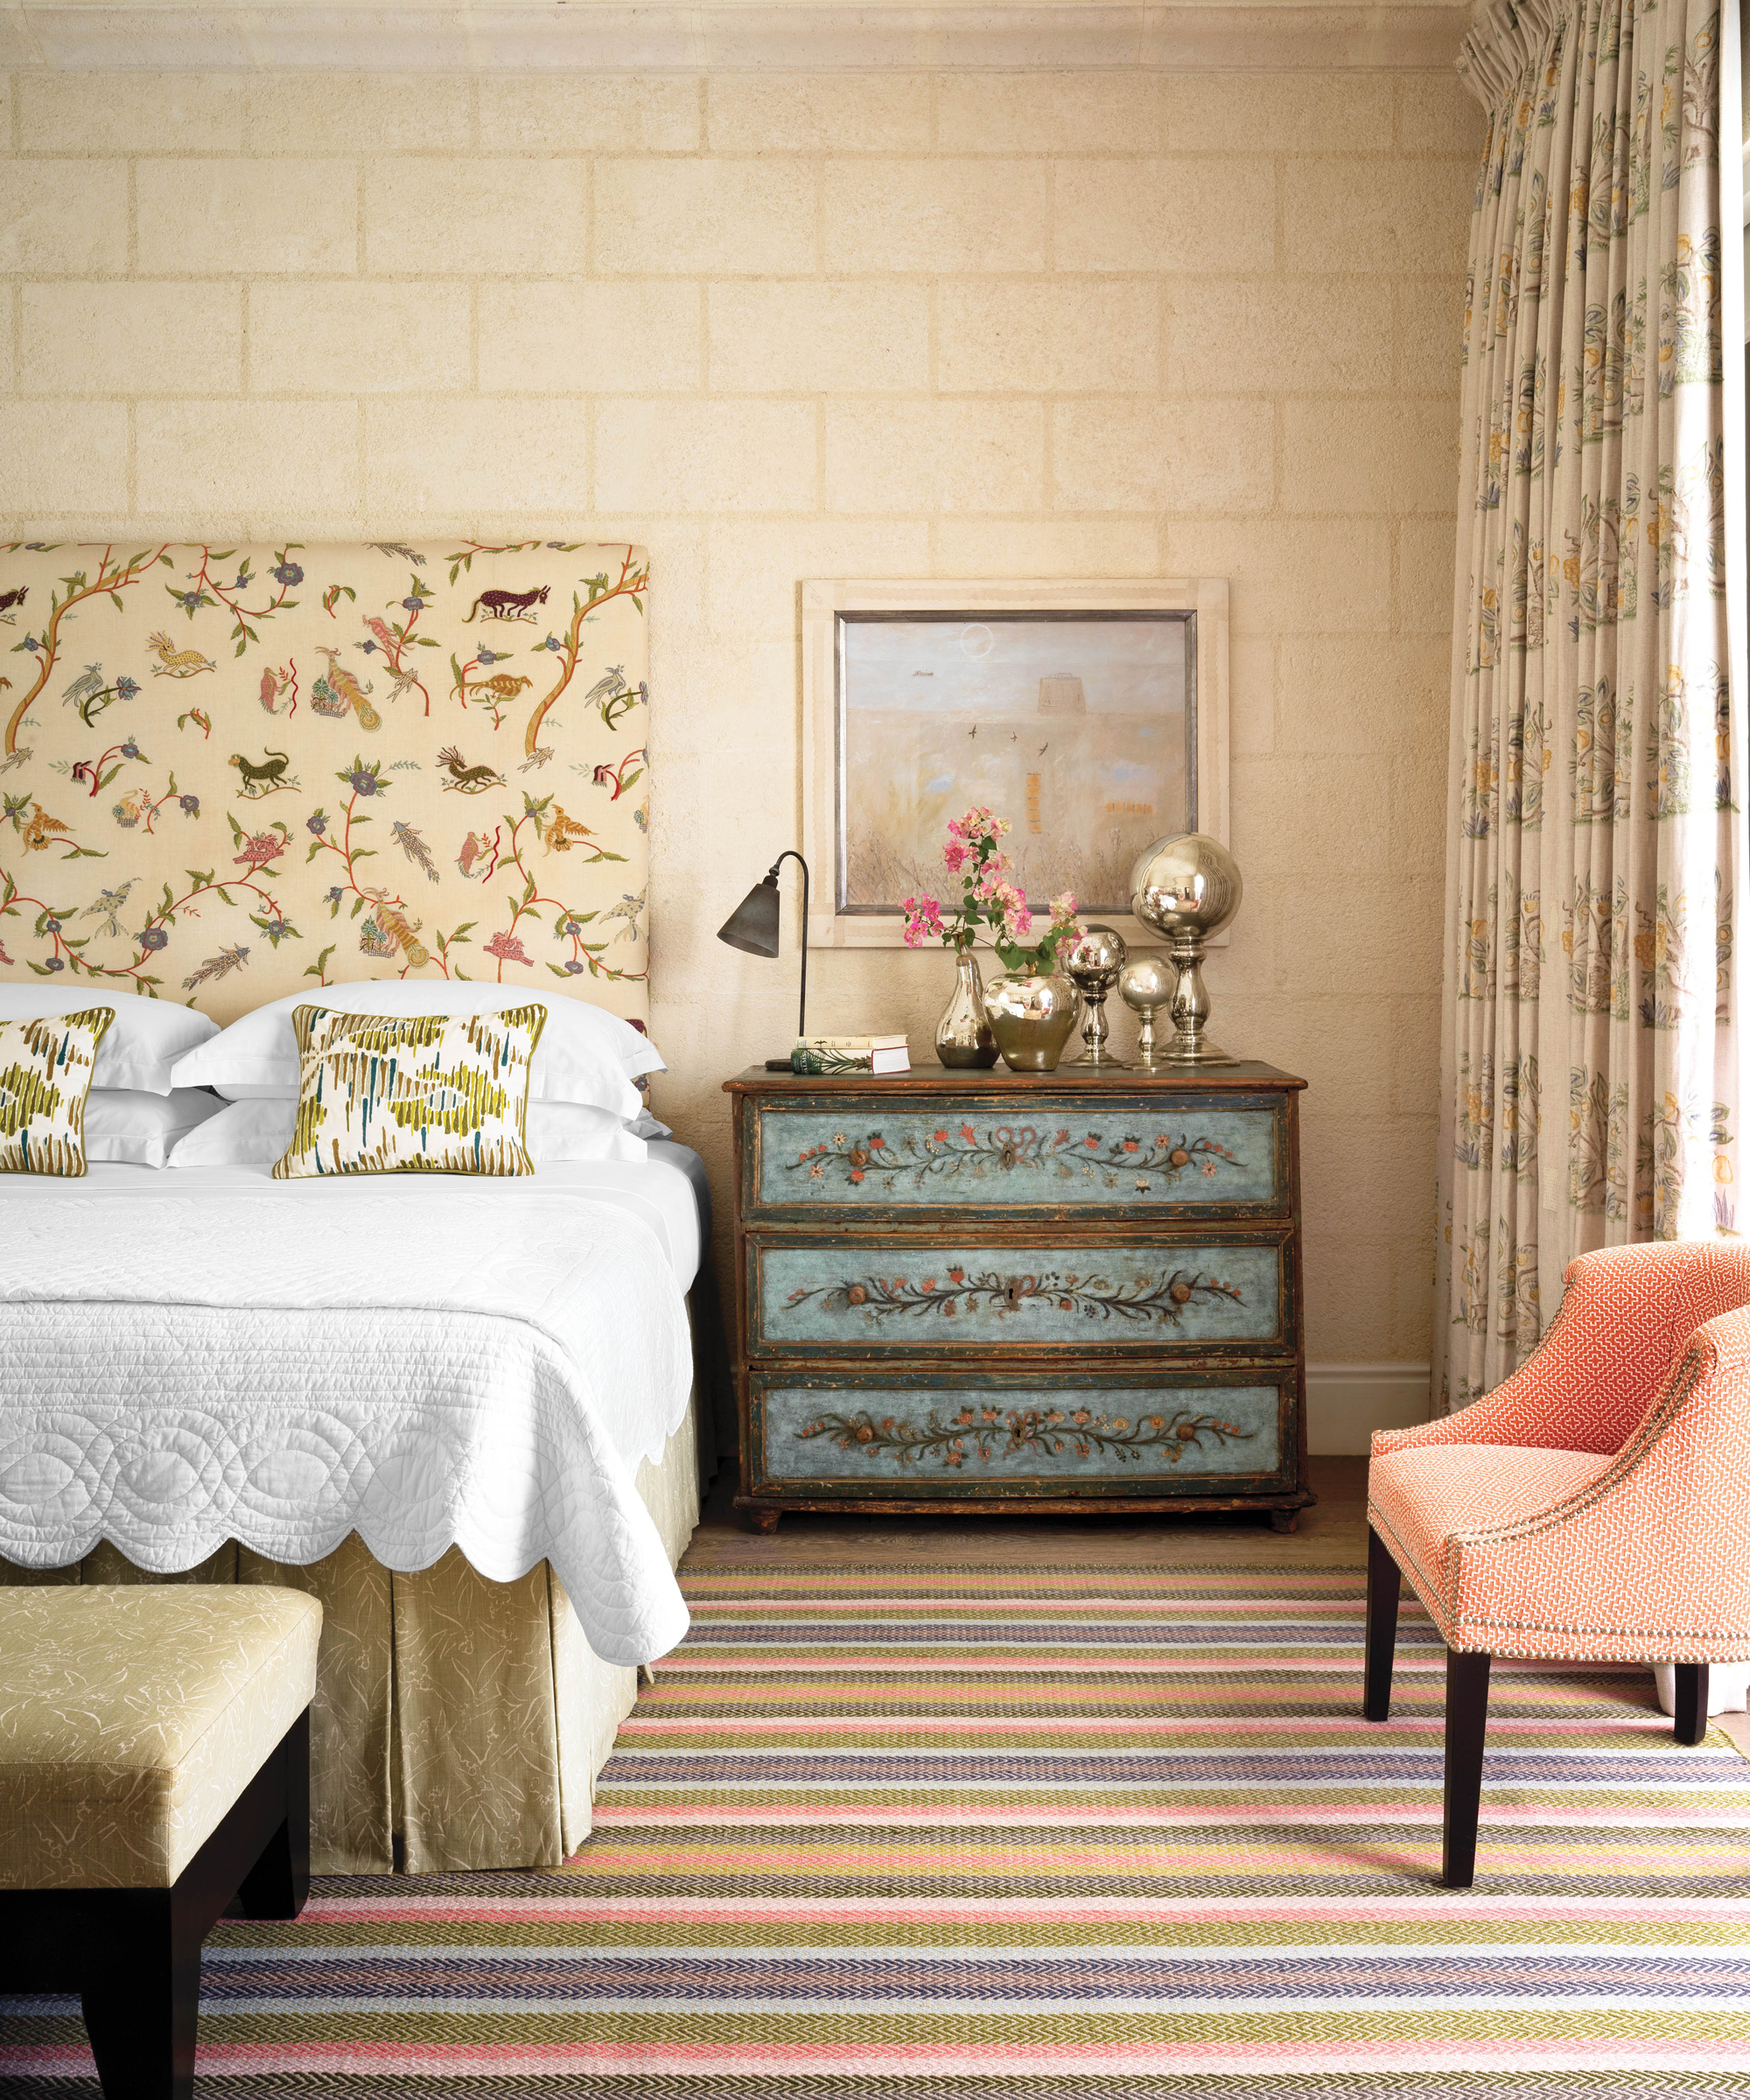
[(427, 1364)]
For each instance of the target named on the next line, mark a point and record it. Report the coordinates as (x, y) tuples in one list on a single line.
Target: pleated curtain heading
[(1591, 1042)]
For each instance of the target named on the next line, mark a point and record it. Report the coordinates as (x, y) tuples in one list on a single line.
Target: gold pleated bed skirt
[(458, 1723)]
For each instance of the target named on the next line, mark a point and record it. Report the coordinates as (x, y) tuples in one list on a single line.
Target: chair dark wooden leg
[(277, 1885), (1466, 1725), (1689, 1708), (140, 1996), (1385, 1583)]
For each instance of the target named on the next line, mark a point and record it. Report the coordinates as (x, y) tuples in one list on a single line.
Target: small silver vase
[(1033, 1019), (963, 1040)]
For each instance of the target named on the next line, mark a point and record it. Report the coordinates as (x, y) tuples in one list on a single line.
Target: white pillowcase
[(256, 1132), (585, 1054), (138, 1129), (139, 1046)]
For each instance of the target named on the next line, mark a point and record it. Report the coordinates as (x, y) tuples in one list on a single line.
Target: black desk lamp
[(753, 928)]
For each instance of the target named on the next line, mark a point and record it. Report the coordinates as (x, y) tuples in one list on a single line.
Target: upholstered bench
[(154, 1763)]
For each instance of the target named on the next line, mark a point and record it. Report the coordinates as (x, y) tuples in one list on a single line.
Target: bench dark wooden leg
[(134, 1954), (1466, 1725), (1689, 1708), (277, 1885), (1385, 1583), (140, 1996)]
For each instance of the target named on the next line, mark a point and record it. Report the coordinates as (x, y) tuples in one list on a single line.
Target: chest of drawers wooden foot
[(1055, 1292)]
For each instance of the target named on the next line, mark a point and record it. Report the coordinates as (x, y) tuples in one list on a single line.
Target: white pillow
[(139, 1046), (585, 1054), (256, 1133), (139, 1129)]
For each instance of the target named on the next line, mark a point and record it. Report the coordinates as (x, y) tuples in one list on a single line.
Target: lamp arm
[(790, 853)]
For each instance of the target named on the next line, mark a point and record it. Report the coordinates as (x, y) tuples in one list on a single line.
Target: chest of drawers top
[(1069, 1143)]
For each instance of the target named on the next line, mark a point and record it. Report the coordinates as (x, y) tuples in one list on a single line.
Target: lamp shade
[(753, 926)]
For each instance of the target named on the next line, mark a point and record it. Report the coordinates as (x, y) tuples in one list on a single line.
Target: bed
[(463, 1413), (465, 1700)]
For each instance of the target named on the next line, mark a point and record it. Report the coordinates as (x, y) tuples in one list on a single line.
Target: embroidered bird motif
[(536, 758), (109, 903), (343, 690), (176, 663), (274, 682), (609, 686), (42, 828), (564, 832), (631, 909), (86, 686), (395, 924), (23, 756), (381, 629), (477, 847), (413, 844)]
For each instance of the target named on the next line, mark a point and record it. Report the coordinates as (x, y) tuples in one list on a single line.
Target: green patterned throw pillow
[(46, 1070), (430, 1093)]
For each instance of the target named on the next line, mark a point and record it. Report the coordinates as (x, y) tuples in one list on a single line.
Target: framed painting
[(1092, 716)]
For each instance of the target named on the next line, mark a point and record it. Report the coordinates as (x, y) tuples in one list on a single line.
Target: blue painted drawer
[(866, 1295), (913, 1438), (1037, 1156)]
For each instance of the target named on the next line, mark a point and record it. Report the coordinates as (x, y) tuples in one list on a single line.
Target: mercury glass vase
[(1031, 1019), (963, 1040)]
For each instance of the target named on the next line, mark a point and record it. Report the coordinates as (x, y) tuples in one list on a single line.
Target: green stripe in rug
[(1030, 1834)]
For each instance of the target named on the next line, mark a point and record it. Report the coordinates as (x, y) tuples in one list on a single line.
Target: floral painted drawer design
[(912, 1437), (866, 1295), (1069, 1153)]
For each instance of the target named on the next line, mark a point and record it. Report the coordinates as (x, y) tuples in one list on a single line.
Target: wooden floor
[(1331, 1534)]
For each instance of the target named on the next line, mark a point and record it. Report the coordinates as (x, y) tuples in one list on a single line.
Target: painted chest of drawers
[(1052, 1292)]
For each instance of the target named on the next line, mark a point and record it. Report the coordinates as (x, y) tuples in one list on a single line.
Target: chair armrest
[(1587, 1382), (1654, 1551)]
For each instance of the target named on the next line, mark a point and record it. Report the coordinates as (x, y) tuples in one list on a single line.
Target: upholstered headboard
[(233, 772)]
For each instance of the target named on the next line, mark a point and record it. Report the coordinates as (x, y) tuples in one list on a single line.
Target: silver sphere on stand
[(1187, 888), (1145, 984), (1092, 966)]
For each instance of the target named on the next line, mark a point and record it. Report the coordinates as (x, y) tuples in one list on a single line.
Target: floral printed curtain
[(1595, 849)]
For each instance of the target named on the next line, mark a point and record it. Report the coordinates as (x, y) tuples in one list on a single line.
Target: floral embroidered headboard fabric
[(233, 772)]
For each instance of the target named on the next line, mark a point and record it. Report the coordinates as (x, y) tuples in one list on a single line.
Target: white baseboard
[(1347, 1401)]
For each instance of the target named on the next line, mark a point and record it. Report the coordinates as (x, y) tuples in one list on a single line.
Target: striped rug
[(1032, 1834)]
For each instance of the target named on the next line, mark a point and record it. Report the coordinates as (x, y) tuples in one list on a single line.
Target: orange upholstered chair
[(1594, 1507)]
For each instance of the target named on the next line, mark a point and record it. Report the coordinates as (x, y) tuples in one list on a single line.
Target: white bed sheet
[(667, 1191), (192, 1355)]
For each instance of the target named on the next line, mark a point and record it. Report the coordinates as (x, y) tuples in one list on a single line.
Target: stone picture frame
[(840, 618)]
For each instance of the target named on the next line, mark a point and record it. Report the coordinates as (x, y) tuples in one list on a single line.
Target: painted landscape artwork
[(1073, 727)]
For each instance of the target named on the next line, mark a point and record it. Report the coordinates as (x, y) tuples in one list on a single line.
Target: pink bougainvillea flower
[(508, 949), (923, 920)]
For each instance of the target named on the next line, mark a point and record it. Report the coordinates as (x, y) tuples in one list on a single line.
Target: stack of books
[(878, 1054)]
